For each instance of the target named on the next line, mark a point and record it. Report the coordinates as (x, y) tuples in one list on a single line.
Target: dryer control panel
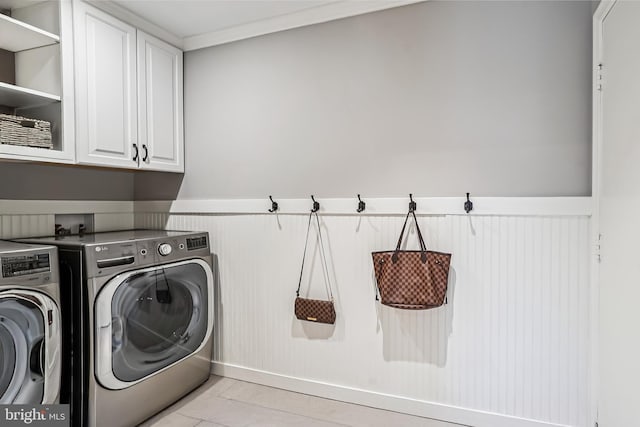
[(110, 258)]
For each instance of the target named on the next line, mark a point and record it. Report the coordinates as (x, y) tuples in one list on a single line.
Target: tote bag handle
[(423, 246)]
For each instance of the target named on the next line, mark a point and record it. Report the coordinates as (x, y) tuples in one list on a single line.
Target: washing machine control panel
[(20, 265), (29, 267)]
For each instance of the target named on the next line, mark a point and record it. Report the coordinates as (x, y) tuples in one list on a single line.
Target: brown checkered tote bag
[(414, 280), (315, 310)]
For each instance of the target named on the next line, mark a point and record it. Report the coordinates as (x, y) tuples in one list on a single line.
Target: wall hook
[(412, 205), (468, 205), (361, 205), (274, 205), (316, 205)]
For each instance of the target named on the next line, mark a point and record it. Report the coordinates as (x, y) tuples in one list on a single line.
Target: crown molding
[(328, 12), (316, 15), (137, 21)]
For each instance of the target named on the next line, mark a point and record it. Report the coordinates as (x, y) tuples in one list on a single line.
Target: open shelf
[(20, 97), (35, 39), (16, 36)]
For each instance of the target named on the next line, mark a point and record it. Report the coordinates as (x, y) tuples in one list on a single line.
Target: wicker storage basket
[(17, 130)]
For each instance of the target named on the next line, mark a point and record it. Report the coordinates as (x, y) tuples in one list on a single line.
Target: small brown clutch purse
[(315, 310)]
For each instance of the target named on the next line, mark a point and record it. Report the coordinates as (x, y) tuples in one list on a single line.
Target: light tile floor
[(228, 402)]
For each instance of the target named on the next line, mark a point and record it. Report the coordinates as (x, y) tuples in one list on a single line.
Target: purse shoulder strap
[(324, 258), (304, 254), (322, 253)]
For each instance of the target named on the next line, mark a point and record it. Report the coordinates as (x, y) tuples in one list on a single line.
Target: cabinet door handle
[(146, 152), (135, 156)]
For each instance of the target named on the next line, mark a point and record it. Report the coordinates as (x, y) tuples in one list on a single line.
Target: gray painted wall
[(24, 181), (437, 98)]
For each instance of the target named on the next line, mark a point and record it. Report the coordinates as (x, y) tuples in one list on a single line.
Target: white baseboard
[(465, 416)]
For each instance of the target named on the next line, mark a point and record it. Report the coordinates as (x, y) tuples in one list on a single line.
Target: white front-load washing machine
[(30, 333), (142, 321)]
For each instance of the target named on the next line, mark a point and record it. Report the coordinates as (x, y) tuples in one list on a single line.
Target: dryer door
[(29, 348), (148, 320)]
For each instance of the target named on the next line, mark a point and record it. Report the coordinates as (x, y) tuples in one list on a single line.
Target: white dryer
[(30, 340)]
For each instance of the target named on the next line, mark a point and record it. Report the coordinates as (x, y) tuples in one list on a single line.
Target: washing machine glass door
[(150, 319), (29, 348)]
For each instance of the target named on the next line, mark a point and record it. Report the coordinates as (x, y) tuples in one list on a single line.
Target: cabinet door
[(160, 112), (105, 89)]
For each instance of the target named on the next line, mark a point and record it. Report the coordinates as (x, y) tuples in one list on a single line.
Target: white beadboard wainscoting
[(514, 346), (30, 218), (24, 225)]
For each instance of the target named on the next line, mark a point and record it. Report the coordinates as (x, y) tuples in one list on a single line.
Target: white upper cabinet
[(36, 78), (112, 93), (107, 125), (160, 111), (129, 95)]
